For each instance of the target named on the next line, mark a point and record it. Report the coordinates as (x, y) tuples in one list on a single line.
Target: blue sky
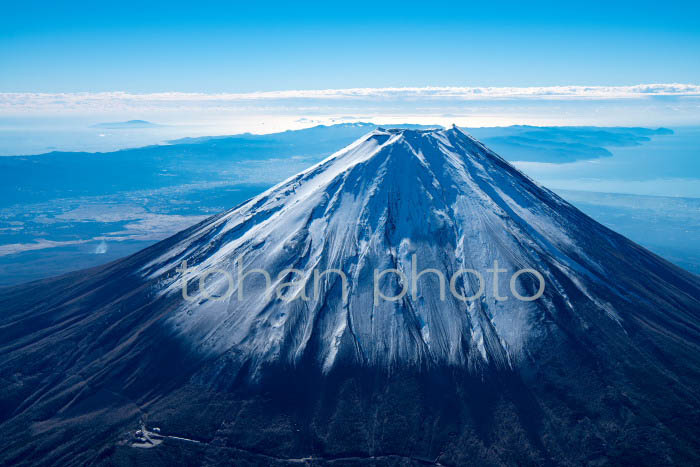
[(229, 47)]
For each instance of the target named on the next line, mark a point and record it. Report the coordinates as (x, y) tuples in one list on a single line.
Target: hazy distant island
[(126, 125)]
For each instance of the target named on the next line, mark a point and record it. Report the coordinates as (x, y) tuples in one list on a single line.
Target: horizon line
[(454, 92)]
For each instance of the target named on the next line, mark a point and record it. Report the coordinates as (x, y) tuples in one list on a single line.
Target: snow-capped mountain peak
[(405, 200), (413, 293)]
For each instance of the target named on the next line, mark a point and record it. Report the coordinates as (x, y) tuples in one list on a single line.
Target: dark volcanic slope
[(603, 368)]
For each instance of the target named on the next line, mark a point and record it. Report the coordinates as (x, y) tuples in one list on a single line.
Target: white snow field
[(437, 194)]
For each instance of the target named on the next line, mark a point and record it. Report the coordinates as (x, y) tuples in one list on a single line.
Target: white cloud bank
[(105, 101)]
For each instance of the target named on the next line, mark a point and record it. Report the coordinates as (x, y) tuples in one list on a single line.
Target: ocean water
[(25, 136), (664, 166)]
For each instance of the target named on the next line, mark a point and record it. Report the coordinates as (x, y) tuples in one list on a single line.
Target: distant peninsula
[(126, 125)]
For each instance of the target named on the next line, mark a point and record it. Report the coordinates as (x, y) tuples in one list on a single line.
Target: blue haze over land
[(63, 211)]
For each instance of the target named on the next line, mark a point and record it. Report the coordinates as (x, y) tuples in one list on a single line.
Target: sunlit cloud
[(18, 102)]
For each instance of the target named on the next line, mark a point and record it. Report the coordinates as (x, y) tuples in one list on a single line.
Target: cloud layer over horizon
[(29, 102)]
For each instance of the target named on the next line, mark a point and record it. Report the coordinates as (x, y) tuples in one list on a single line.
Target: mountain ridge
[(603, 366)]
